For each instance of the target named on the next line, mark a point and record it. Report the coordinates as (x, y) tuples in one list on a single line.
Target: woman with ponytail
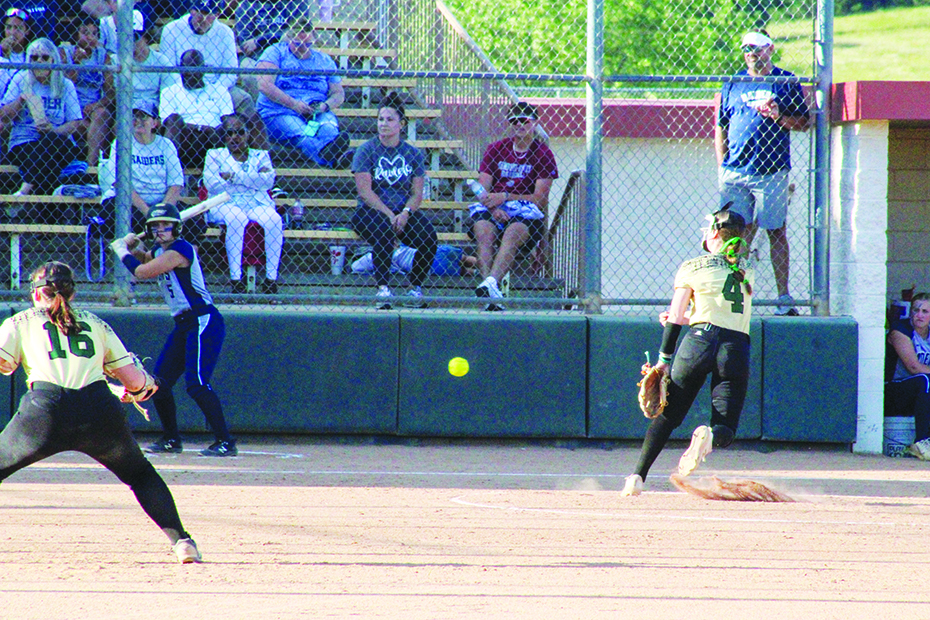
[(69, 406), (718, 289)]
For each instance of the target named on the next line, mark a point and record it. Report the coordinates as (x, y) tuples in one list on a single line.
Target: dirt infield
[(352, 529)]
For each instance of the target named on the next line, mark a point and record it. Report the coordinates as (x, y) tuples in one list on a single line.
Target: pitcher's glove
[(653, 391), (142, 394)]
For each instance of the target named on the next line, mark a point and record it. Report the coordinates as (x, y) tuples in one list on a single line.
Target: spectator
[(43, 17), (298, 107), (44, 109), (192, 112), (516, 174), (105, 11), (753, 149), (260, 24), (713, 295), (389, 177), (199, 30), (148, 86), (17, 35), (94, 88), (193, 347), (157, 176), (907, 393), (247, 175)]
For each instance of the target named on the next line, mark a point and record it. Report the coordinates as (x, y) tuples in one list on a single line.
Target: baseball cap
[(147, 106), (522, 110), (756, 39), (725, 218), (207, 6)]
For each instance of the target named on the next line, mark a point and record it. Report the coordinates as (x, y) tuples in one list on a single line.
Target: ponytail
[(54, 282), (732, 251)]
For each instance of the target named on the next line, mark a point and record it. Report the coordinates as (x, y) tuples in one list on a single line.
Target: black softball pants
[(52, 419), (705, 350)]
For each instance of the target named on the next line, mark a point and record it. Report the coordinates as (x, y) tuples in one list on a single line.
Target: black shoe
[(237, 287), (270, 287), (165, 445), (220, 448)]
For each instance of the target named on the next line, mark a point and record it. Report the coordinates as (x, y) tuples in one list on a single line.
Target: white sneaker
[(633, 485), (489, 289), (383, 292), (920, 449), (786, 306), (414, 298), (186, 550), (702, 442)]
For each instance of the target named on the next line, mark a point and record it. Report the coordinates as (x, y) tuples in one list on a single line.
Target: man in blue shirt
[(753, 149)]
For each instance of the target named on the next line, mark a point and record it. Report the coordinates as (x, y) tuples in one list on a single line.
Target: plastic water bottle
[(477, 189), (427, 188), (297, 214)]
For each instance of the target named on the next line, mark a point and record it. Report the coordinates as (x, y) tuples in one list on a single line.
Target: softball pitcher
[(65, 353), (193, 347), (719, 286)]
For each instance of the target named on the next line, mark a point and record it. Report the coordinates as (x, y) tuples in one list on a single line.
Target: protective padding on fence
[(616, 351), (526, 376), (811, 379), (313, 373), (530, 377)]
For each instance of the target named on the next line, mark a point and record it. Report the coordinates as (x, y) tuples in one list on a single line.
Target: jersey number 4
[(80, 345), (733, 292)]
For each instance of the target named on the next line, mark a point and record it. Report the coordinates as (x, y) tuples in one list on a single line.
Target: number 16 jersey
[(31, 339), (719, 298)]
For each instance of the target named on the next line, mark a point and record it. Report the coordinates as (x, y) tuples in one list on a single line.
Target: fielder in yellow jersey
[(713, 294), (65, 353)]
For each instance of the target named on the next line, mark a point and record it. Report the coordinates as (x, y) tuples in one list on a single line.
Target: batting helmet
[(164, 213)]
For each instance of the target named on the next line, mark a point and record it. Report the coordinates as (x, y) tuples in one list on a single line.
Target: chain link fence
[(227, 98)]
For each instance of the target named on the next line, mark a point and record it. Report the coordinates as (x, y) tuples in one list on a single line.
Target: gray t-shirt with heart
[(392, 170)]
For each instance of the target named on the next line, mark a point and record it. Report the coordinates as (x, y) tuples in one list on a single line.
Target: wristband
[(407, 209), (665, 359), (131, 262), (669, 338)]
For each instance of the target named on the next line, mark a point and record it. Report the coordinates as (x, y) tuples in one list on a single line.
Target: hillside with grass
[(885, 45)]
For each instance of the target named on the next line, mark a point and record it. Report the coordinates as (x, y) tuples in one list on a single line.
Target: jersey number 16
[(80, 344)]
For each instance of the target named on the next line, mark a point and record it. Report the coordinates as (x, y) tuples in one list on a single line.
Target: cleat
[(702, 441), (187, 552), (633, 486), (220, 448), (165, 445)]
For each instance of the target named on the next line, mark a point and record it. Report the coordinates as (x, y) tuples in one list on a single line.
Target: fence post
[(823, 57), (123, 129), (594, 104)]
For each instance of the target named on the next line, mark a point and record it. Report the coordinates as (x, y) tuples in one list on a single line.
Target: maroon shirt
[(518, 174)]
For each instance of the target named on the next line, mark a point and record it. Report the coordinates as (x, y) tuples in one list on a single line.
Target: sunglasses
[(40, 58), (753, 49), (520, 121), (23, 15), (236, 132)]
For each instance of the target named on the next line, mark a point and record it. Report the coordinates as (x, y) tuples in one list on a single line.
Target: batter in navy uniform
[(65, 353), (193, 347), (718, 289)]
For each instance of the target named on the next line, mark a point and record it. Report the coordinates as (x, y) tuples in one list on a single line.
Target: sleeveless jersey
[(46, 354), (183, 287), (719, 298)]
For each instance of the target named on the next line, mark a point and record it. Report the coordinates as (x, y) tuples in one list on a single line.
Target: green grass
[(882, 45)]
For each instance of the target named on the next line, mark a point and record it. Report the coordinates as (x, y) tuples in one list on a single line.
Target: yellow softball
[(458, 367)]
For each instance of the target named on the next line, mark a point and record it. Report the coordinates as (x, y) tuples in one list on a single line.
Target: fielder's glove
[(653, 391)]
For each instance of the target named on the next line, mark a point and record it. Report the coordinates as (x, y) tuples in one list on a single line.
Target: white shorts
[(760, 199)]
